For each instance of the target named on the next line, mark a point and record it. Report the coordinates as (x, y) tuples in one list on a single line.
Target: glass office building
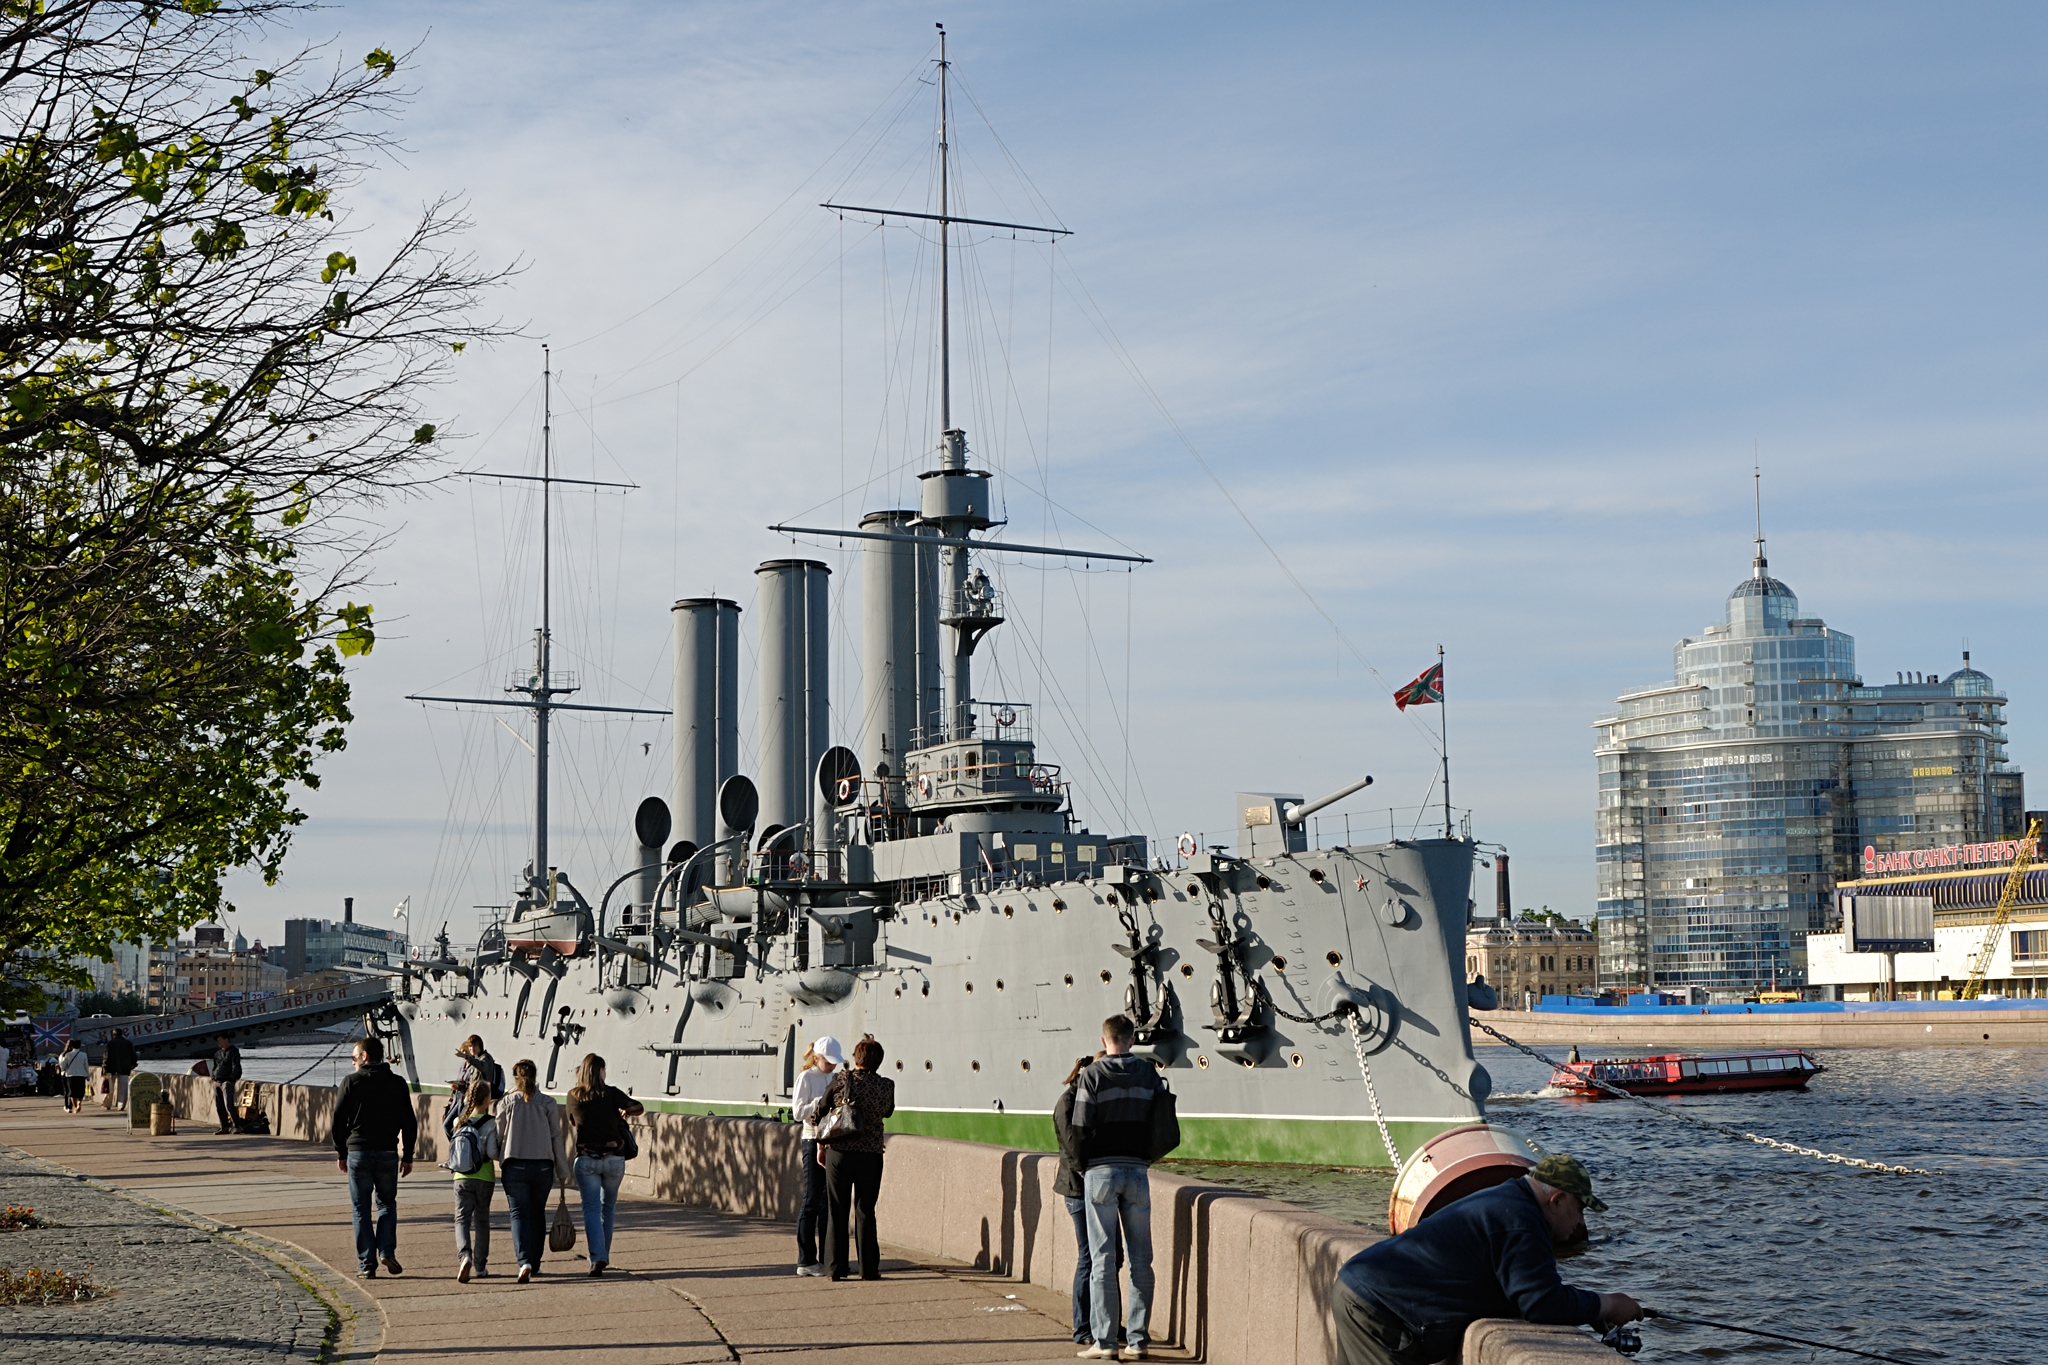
[(1734, 797)]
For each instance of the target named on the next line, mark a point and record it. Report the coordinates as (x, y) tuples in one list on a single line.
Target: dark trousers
[(373, 1178), (810, 1214), (856, 1181), (527, 1186), (224, 1102), (1368, 1334), (1084, 1273)]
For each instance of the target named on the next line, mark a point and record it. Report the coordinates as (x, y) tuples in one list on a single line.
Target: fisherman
[(1408, 1300), (225, 1073)]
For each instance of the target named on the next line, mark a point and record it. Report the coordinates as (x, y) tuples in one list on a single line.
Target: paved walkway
[(685, 1286)]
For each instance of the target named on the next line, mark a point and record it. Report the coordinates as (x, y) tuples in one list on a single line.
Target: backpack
[(465, 1151)]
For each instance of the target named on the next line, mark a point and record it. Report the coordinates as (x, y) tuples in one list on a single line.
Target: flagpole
[(1443, 730)]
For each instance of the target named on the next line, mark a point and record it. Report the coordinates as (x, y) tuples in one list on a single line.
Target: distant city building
[(1733, 798), (1963, 882), (214, 976), (315, 945), (1527, 958)]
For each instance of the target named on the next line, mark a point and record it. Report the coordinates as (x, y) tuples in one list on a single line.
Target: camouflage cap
[(1566, 1173)]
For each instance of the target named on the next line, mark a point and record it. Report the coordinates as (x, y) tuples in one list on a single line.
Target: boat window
[(973, 761), (1738, 1064)]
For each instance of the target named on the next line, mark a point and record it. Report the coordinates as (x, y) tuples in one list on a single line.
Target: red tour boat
[(1671, 1074)]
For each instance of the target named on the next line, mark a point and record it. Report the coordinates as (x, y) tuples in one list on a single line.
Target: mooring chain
[(1365, 1071), (1723, 1129), (1343, 1008)]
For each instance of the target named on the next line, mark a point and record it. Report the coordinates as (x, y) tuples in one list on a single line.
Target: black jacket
[(1068, 1181), (1113, 1111), (226, 1067), (373, 1111), (120, 1057)]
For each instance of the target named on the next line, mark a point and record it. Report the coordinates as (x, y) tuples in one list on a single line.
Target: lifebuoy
[(924, 785), (845, 790), (1187, 845), (1006, 717), (798, 864)]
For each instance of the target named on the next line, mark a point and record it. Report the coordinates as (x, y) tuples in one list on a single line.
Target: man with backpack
[(372, 1113), (1113, 1115), (226, 1073)]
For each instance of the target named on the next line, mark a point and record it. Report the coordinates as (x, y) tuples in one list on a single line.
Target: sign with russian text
[(1998, 851)]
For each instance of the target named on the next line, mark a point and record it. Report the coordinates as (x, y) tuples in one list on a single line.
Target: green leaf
[(357, 635), (423, 434), (336, 263), (263, 78), (382, 61), (457, 346)]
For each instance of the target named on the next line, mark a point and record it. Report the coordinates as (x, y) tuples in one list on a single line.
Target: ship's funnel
[(650, 829), (792, 598), (889, 652), (707, 701)]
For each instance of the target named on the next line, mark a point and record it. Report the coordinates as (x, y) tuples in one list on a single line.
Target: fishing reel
[(1624, 1339)]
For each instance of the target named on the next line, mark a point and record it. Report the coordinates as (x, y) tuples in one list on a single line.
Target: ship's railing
[(992, 722), (1382, 824), (527, 680), (978, 604)]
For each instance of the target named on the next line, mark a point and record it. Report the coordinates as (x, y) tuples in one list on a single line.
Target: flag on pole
[(1424, 690)]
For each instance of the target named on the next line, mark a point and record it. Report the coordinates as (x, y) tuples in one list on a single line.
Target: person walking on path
[(476, 1062), (853, 1163), (530, 1136), (1067, 1184), (599, 1113), (1113, 1114), (225, 1071), (76, 1069), (373, 1116), (472, 1153), (119, 1065), (1408, 1300), (821, 1059)]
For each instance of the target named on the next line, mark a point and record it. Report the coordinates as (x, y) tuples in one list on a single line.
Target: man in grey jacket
[(1113, 1116)]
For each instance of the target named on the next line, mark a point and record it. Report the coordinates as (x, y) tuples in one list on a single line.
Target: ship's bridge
[(990, 758)]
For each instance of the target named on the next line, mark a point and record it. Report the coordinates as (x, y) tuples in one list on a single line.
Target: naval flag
[(1424, 690)]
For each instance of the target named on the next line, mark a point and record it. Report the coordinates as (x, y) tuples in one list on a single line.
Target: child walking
[(474, 1144)]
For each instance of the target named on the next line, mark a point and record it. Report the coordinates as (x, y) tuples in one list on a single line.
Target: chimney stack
[(1503, 903), (348, 909)]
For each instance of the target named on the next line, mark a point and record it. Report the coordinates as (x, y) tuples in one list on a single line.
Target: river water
[(1920, 1267), (1927, 1268)]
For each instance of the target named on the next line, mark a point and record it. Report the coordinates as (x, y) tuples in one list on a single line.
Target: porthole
[(975, 1065), (1334, 958), (956, 917), (1008, 913), (1244, 1062), (1264, 882), (927, 988), (1070, 978), (927, 1066), (1193, 889), (1201, 1061), (1105, 976), (1279, 963), (1059, 907), (899, 1063), (999, 983), (1315, 874), (1027, 1064), (1158, 1064), (1187, 969), (970, 988), (1294, 1059)]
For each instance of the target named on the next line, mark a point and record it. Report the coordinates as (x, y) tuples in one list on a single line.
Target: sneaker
[(1131, 1353), (1097, 1352), (525, 1274), (368, 1272), (815, 1269), (391, 1264), (462, 1275)]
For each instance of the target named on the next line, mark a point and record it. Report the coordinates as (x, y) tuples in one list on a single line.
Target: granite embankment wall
[(1241, 1280), (1675, 1028)]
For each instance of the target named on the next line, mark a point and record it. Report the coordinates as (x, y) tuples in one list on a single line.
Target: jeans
[(1119, 1195), (527, 1186), (473, 1223), (117, 1092), (224, 1102), (810, 1215), (1084, 1273), (597, 1180), (1368, 1334), (856, 1179), (374, 1174)]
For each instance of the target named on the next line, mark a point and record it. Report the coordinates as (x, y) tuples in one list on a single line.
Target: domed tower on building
[(1733, 797)]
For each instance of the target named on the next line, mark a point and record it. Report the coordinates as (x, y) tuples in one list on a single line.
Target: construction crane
[(2006, 900)]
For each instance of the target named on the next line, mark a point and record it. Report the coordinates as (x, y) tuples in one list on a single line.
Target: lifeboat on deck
[(1672, 1074)]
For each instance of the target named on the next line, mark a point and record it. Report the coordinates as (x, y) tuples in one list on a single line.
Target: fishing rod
[(1775, 1336)]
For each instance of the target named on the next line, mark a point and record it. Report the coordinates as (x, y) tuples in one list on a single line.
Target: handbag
[(562, 1233), (1165, 1125), (841, 1123), (628, 1147)]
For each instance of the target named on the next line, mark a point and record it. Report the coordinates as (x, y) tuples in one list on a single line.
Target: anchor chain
[(1835, 1158), (1365, 1071)]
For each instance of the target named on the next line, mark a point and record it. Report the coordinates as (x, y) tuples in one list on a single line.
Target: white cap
[(828, 1048)]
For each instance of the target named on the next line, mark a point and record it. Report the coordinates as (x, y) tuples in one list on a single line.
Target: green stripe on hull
[(1280, 1141)]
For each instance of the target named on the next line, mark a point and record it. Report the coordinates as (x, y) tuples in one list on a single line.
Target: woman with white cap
[(821, 1059)]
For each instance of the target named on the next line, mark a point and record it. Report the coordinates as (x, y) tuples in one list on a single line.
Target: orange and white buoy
[(1453, 1164)]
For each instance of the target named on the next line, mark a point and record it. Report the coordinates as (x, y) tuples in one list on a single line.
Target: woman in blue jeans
[(535, 1161), (599, 1112), (1067, 1184)]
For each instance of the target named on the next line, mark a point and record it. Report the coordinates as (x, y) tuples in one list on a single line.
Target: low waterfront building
[(211, 976), (1528, 958), (315, 945), (1964, 883), (1734, 798)]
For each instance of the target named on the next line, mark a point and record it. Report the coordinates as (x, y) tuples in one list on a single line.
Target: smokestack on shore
[(1504, 904)]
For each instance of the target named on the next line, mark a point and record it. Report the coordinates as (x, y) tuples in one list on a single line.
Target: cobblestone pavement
[(180, 1295)]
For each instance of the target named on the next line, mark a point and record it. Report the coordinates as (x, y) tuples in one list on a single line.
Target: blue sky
[(1478, 313)]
